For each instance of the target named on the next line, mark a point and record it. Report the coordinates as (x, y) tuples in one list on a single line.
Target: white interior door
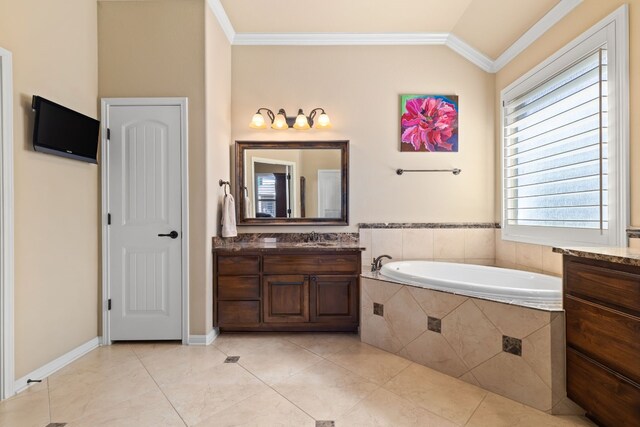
[(329, 193), (145, 207)]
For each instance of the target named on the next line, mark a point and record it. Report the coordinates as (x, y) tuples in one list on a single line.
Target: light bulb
[(323, 122), (301, 121), (258, 122), (280, 122)]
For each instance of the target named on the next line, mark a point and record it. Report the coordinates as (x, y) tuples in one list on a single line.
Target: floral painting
[(429, 123)]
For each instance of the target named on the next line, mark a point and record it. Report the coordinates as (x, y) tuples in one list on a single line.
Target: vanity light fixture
[(281, 121)]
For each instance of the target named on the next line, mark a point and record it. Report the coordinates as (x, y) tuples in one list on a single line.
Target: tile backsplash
[(466, 244), (470, 245)]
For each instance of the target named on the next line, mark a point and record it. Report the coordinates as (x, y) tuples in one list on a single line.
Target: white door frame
[(104, 156), (6, 226)]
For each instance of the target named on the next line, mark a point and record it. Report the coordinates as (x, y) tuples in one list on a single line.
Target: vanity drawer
[(238, 265), (611, 287), (610, 398), (610, 337), (301, 264), (238, 313), (239, 287)]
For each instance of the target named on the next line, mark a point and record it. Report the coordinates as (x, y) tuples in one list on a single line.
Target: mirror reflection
[(292, 183)]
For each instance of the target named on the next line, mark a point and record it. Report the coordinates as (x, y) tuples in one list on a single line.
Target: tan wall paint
[(218, 136), (54, 45), (359, 87), (583, 17), (155, 49)]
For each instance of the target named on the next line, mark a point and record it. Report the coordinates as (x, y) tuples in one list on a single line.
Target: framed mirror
[(292, 182)]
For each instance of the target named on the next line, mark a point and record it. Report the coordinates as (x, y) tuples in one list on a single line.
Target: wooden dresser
[(286, 288), (602, 304)]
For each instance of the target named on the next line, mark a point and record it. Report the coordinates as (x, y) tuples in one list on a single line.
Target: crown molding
[(397, 39), (552, 17), (223, 19), (463, 49), (339, 39)]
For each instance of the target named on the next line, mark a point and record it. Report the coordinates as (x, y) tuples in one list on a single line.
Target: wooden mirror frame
[(241, 146)]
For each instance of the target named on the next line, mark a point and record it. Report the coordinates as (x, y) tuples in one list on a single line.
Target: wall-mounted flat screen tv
[(63, 132)]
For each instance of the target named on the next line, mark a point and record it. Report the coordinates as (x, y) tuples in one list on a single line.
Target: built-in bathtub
[(500, 329), (499, 284)]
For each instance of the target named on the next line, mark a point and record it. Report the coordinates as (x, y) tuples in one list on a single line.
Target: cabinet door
[(334, 298), (285, 298)]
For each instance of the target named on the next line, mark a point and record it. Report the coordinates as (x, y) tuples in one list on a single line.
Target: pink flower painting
[(429, 123)]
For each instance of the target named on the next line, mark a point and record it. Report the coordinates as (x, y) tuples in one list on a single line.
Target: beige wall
[(54, 45), (176, 48), (155, 49), (588, 13), (218, 134), (359, 87)]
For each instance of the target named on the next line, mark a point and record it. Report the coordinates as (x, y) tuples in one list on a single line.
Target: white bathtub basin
[(477, 280)]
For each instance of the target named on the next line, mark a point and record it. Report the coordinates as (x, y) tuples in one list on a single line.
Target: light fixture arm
[(313, 113), (269, 113)]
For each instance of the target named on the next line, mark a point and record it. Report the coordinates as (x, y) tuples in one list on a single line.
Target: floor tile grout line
[(49, 400), (276, 391), (477, 407), (160, 389), (417, 404)]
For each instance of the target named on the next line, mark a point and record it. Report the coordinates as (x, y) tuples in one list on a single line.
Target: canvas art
[(429, 123)]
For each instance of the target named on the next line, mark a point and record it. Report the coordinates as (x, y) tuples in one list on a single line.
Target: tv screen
[(61, 131)]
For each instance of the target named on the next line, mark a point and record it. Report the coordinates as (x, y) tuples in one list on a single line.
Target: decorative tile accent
[(321, 423), (232, 359), (429, 225), (378, 309), (512, 345), (633, 232), (434, 324)]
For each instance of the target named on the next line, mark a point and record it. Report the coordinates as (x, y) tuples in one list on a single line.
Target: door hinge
[(108, 219), (289, 177), (108, 133), (109, 304), (289, 211)]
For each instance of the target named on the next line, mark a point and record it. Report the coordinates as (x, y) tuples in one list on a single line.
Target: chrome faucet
[(376, 264)]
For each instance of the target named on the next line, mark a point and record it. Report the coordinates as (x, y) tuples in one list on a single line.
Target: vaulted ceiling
[(489, 26)]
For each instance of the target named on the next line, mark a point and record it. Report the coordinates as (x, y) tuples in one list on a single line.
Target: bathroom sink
[(317, 244)]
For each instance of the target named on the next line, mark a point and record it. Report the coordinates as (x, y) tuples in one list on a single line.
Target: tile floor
[(279, 380)]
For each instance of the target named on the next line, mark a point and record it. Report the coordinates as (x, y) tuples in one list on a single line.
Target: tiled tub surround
[(510, 350), (470, 243)]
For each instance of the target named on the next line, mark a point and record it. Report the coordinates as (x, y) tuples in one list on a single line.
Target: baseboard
[(204, 339), (56, 364)]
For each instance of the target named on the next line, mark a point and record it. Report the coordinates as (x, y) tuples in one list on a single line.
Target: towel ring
[(225, 184)]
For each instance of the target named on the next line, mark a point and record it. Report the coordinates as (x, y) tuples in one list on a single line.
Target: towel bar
[(454, 171)]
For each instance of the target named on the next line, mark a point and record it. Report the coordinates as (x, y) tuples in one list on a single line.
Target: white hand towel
[(229, 217), (248, 208)]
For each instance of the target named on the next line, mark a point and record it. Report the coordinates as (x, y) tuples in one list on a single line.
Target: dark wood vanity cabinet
[(308, 291), (602, 306)]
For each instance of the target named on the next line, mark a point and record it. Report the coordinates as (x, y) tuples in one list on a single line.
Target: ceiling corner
[(223, 19)]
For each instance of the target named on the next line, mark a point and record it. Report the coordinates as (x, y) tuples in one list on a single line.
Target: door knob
[(173, 234)]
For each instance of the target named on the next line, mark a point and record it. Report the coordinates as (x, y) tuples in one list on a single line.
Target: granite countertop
[(619, 255), (300, 242), (288, 246)]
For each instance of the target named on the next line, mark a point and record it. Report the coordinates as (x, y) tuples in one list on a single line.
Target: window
[(565, 144)]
